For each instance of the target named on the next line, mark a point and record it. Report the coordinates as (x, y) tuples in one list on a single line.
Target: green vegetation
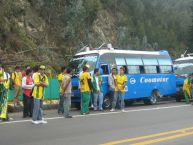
[(50, 31)]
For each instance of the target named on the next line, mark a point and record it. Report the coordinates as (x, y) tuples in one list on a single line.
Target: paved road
[(164, 124)]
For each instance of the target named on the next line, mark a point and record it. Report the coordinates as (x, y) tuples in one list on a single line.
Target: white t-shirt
[(97, 82), (69, 88), (6, 76)]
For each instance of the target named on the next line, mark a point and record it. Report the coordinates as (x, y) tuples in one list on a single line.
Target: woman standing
[(27, 85)]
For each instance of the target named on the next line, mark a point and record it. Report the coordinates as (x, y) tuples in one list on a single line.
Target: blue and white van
[(150, 73)]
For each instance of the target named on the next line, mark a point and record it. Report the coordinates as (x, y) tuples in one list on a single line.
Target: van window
[(134, 61), (164, 61), (120, 61), (105, 69), (108, 58), (150, 69), (133, 69), (150, 61), (166, 69)]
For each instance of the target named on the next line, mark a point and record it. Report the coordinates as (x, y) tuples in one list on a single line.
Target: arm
[(45, 83), (89, 81), (24, 85), (89, 84)]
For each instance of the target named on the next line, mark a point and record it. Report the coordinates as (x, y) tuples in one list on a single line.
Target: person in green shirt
[(97, 90)]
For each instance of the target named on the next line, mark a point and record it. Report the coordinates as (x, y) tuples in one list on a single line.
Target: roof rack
[(190, 54), (105, 46), (85, 48)]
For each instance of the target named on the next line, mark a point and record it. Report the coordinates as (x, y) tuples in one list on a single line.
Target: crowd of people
[(32, 84)]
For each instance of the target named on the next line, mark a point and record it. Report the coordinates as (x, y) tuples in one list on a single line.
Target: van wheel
[(153, 99), (107, 102)]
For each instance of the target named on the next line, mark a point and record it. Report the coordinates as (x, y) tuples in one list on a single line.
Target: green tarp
[(51, 92)]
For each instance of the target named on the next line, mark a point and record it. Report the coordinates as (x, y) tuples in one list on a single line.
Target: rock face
[(51, 31)]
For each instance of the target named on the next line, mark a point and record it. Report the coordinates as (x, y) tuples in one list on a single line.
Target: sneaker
[(6, 119), (35, 122), (123, 110), (112, 110), (43, 122)]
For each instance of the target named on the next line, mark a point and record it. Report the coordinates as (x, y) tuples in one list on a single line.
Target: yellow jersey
[(38, 91), (84, 86), (60, 79), (187, 86), (5, 76), (17, 78), (120, 83)]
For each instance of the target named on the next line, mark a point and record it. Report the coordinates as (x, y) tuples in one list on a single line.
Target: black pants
[(27, 106)]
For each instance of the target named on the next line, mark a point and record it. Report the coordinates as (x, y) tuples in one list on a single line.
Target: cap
[(42, 67)]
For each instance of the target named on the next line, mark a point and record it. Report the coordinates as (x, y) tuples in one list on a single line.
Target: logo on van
[(132, 81)]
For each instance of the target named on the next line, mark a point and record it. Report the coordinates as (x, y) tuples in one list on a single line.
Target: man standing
[(4, 88), (61, 99), (97, 90), (120, 89), (17, 80), (112, 83), (187, 89), (66, 92), (41, 82), (85, 88)]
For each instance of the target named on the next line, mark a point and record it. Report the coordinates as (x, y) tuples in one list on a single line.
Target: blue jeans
[(61, 104), (98, 97), (118, 96), (67, 104), (37, 110)]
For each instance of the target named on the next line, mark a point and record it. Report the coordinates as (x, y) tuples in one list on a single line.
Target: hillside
[(51, 31)]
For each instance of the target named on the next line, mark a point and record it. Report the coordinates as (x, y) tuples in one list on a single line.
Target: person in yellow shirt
[(61, 99), (40, 82), (4, 88), (85, 88), (17, 79), (187, 89), (120, 89)]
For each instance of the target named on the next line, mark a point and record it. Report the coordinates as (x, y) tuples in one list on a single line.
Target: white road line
[(105, 113)]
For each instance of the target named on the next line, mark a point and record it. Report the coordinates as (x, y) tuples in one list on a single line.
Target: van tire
[(107, 102), (153, 99)]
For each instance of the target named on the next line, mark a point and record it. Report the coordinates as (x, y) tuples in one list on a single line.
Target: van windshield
[(183, 69), (78, 62)]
